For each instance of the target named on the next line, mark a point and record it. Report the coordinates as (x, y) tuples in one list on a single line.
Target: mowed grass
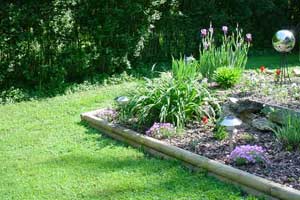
[(47, 153), (272, 61)]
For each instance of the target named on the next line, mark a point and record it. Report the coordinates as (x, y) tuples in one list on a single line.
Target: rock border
[(249, 183)]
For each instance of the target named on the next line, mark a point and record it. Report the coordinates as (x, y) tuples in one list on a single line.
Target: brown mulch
[(283, 166)]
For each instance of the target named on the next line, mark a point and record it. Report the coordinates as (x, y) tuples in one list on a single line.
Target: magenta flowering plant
[(231, 53), (249, 37), (107, 114), (247, 154), (225, 29), (161, 130), (203, 33)]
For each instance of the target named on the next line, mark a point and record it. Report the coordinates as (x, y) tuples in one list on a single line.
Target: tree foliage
[(53, 41)]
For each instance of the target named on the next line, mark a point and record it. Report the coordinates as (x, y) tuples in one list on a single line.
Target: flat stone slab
[(274, 113)]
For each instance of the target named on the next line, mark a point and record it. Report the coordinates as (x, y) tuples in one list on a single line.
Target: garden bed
[(262, 87), (282, 167), (218, 151)]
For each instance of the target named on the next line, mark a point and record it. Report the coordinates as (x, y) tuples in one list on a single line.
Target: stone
[(277, 117), (233, 100), (278, 114), (249, 106), (233, 103), (296, 72), (262, 124)]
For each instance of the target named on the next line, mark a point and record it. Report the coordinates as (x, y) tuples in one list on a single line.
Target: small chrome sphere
[(283, 41)]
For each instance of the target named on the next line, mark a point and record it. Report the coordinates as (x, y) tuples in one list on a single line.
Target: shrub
[(247, 154), (175, 97), (13, 95), (289, 133), (227, 77), (232, 52)]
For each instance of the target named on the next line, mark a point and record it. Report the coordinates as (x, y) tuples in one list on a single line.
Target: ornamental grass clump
[(289, 133), (107, 114), (177, 98), (232, 52), (247, 154), (161, 130), (227, 77)]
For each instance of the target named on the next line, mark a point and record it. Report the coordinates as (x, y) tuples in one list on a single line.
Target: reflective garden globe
[(283, 41)]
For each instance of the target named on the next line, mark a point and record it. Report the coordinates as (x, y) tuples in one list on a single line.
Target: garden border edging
[(250, 183)]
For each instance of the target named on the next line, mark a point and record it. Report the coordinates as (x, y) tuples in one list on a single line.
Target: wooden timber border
[(248, 182)]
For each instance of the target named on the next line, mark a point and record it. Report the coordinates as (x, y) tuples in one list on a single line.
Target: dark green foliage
[(178, 30), (13, 95), (45, 44), (227, 77)]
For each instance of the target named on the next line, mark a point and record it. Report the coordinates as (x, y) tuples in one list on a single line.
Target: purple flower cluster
[(107, 114), (247, 154), (160, 130)]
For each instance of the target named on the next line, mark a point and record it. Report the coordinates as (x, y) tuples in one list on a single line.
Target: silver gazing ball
[(283, 41)]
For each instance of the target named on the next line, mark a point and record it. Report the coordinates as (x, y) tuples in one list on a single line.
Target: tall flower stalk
[(231, 53)]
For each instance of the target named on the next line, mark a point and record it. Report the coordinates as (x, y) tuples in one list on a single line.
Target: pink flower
[(205, 45), (225, 29), (248, 37), (203, 32)]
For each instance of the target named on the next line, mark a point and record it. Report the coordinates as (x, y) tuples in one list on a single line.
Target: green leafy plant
[(247, 137), (289, 133), (227, 77), (182, 70), (175, 97), (13, 95), (220, 133)]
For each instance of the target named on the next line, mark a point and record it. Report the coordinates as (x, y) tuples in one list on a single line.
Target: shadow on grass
[(19, 93)]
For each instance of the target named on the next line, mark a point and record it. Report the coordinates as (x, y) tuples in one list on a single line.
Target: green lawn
[(271, 61), (47, 153)]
